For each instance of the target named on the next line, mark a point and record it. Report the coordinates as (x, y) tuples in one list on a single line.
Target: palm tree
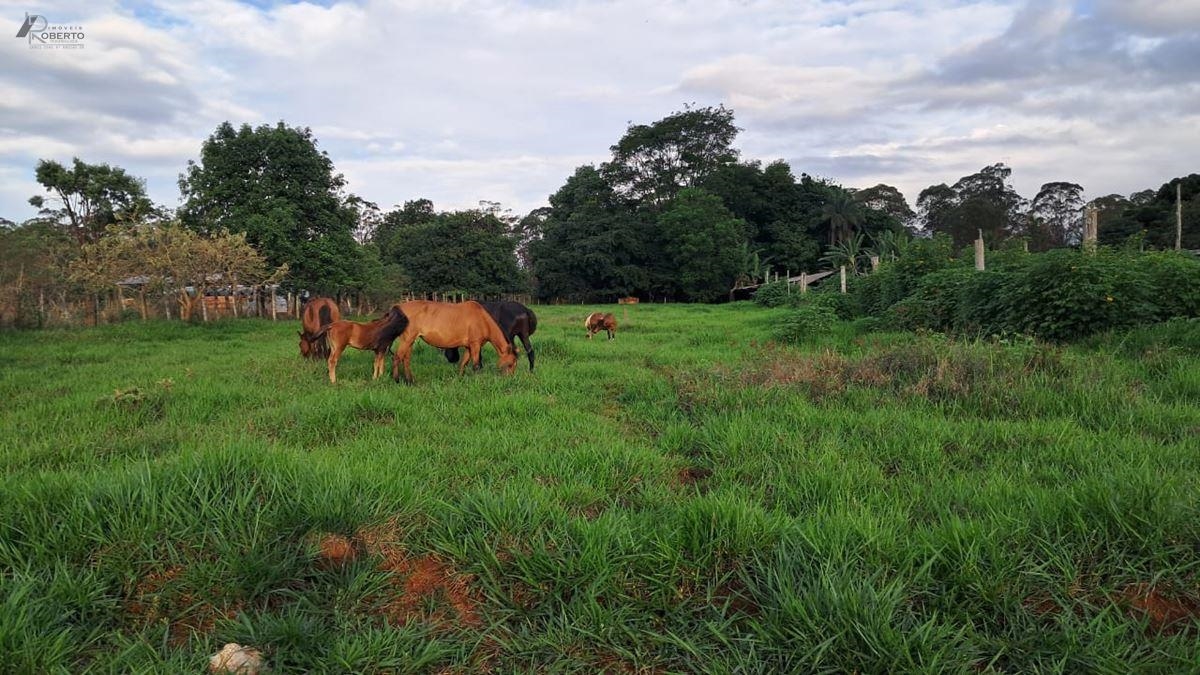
[(843, 214), (889, 244), (849, 252)]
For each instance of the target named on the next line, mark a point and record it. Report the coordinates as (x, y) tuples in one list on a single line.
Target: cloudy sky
[(464, 100)]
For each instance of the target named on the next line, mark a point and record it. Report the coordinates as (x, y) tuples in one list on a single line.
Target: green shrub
[(1060, 295), (843, 305), (1175, 278), (772, 295), (805, 323), (1065, 295), (897, 279), (933, 305)]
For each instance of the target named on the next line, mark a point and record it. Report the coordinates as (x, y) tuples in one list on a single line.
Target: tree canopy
[(470, 251), (273, 184), (87, 198)]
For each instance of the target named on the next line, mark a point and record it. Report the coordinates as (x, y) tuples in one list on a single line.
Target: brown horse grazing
[(445, 325), (376, 336), (318, 313), (599, 321), (515, 321)]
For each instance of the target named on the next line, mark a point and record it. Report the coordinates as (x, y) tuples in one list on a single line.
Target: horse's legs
[(378, 370), (404, 355), (478, 360), (528, 349), (462, 366), (334, 355)]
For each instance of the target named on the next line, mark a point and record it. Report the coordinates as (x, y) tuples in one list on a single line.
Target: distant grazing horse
[(515, 320), (447, 325), (318, 313), (376, 336), (599, 321)]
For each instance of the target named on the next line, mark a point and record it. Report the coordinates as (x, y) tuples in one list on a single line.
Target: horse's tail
[(397, 322), (451, 354), (324, 317), (320, 340)]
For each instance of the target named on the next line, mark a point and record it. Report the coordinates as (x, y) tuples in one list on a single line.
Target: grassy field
[(686, 498)]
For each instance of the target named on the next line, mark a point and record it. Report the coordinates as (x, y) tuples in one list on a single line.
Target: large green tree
[(983, 201), (702, 241), (86, 198), (889, 201), (470, 251), (1055, 216), (272, 183), (653, 162), (592, 245), (1151, 215)]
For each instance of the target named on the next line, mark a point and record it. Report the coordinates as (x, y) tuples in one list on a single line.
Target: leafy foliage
[(701, 241), (468, 251), (1060, 295), (173, 259), (652, 162), (805, 322), (593, 245), (90, 197), (1150, 215), (984, 201), (273, 184)]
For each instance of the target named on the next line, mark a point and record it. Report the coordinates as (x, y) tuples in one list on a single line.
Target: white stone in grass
[(234, 658)]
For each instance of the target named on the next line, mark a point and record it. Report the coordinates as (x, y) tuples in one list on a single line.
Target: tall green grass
[(687, 497)]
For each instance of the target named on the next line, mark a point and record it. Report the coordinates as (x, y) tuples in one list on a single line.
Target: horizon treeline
[(675, 213)]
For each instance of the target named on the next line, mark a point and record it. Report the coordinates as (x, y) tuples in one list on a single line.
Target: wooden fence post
[(874, 263), (979, 255), (1179, 215), (843, 279), (803, 282), (1091, 227)]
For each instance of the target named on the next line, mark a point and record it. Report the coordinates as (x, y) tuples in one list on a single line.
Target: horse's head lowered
[(508, 360), (306, 346)]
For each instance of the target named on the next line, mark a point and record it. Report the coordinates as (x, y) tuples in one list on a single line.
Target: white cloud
[(501, 99)]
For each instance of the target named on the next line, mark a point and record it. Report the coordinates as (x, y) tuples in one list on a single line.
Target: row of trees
[(675, 213)]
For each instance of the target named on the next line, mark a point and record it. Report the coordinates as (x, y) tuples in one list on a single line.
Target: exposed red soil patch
[(336, 551), (161, 596), (426, 588), (421, 588), (1164, 612)]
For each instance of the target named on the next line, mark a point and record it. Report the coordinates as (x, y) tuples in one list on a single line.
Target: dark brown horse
[(318, 313), (376, 336), (599, 321), (515, 321), (446, 325)]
